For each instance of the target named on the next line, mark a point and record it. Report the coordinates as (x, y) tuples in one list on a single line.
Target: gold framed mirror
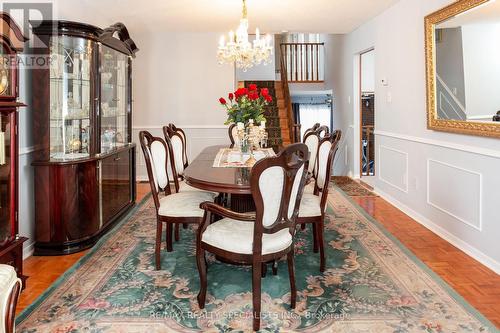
[(462, 51)]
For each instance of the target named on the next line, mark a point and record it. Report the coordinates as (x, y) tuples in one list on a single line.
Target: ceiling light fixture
[(240, 51)]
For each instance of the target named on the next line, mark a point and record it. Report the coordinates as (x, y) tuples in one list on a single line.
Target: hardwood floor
[(477, 284), (44, 270)]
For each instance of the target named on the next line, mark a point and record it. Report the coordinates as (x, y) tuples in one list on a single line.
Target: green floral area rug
[(372, 284)]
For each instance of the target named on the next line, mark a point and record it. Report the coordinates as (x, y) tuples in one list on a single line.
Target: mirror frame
[(433, 122)]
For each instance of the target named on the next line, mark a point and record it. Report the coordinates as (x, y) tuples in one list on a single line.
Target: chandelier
[(240, 51)]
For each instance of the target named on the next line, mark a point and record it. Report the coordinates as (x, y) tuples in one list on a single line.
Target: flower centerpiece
[(245, 108), (246, 104)]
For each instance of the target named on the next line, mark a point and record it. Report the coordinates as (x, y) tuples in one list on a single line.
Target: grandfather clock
[(11, 245)]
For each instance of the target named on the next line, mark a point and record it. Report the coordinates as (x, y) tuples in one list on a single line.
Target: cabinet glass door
[(6, 232), (114, 99), (70, 97)]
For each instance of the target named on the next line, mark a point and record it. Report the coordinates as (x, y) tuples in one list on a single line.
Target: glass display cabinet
[(85, 159), (11, 244)]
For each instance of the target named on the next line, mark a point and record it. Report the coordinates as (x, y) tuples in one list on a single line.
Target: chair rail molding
[(443, 144), (447, 210), (381, 168)]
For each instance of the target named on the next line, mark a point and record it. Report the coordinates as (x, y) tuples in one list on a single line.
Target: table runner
[(232, 158)]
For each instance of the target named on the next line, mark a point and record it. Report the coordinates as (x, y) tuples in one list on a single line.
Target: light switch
[(384, 82), (389, 97)]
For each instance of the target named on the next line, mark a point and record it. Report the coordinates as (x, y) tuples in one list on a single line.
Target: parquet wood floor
[(477, 284)]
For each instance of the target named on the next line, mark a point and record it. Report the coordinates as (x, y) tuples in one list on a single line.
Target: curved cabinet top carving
[(122, 42)]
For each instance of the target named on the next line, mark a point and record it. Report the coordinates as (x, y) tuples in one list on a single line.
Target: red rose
[(222, 101), (231, 96), (253, 96), (241, 92), (252, 87), (264, 91), (268, 98)]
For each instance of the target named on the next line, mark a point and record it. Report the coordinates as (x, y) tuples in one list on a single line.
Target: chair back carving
[(311, 140), (277, 186), (327, 150), (322, 131), (312, 129), (233, 135), (156, 155)]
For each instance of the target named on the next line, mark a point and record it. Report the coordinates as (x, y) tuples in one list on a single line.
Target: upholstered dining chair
[(178, 139), (183, 136), (260, 237), (171, 208), (233, 134), (311, 140), (313, 205), (10, 288), (176, 143)]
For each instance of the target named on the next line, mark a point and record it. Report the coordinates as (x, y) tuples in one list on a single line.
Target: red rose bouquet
[(245, 104)]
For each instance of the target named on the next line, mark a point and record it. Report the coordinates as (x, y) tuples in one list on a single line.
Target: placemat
[(232, 158)]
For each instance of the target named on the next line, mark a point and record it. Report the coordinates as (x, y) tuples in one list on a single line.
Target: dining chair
[(178, 139), (310, 186), (233, 135), (171, 208), (260, 237), (175, 139), (311, 140), (184, 142), (313, 205)]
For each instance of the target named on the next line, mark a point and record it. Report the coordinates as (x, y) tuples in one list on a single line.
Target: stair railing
[(305, 62), (292, 126)]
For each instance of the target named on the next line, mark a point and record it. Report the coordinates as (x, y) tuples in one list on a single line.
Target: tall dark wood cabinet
[(85, 158), (11, 244)]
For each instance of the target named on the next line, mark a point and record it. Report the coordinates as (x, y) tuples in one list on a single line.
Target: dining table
[(235, 181)]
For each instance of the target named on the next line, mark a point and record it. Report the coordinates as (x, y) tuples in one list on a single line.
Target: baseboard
[(28, 250), (441, 232)]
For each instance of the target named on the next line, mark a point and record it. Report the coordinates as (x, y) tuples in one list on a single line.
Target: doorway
[(367, 113)]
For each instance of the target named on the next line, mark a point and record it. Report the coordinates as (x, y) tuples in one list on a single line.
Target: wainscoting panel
[(455, 191), (452, 189), (393, 167)]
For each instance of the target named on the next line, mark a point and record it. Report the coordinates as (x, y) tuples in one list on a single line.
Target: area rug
[(372, 284), (352, 188)]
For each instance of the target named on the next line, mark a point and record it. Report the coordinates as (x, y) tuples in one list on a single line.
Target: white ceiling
[(487, 13), (325, 16)]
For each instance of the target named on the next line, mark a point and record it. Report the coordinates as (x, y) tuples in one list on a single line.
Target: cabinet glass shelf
[(70, 97), (114, 99)]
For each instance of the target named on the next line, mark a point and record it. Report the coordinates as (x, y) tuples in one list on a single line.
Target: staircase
[(276, 114)]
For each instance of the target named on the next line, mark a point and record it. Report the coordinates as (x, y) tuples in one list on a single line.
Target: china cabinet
[(11, 244), (85, 158)]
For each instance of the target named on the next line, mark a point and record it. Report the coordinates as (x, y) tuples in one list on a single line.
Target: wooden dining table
[(203, 175)]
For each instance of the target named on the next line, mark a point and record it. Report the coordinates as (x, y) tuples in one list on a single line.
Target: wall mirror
[(462, 43)]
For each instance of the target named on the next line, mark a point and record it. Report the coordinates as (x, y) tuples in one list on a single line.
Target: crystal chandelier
[(240, 51)]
